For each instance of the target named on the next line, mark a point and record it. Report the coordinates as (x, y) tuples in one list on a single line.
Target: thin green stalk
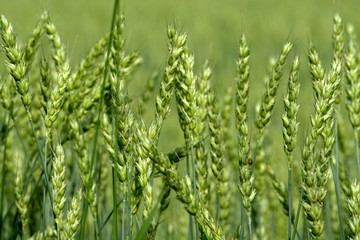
[(297, 217), (250, 229), (244, 215), (197, 233), (43, 160), (123, 216), (97, 220), (114, 226), (114, 180), (101, 103), (83, 219), (188, 166), (109, 216), (46, 179), (242, 223), (290, 199)]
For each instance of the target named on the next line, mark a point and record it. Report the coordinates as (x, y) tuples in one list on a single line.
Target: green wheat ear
[(246, 174), (353, 204), (201, 153), (290, 129), (72, 221), (16, 62), (268, 100), (59, 187)]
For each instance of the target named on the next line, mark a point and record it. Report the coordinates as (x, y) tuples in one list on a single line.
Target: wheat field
[(110, 146)]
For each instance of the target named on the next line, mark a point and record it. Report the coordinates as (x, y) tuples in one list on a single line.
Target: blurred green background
[(214, 28)]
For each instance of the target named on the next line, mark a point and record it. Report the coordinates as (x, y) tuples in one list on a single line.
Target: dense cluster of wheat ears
[(79, 162)]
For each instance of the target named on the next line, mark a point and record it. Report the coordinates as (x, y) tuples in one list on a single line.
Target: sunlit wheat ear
[(246, 175), (290, 129), (59, 187), (45, 84), (124, 121), (73, 216), (7, 94), (352, 85), (62, 67), (268, 100), (185, 91), (49, 233), (217, 157), (185, 94), (56, 98), (62, 76), (142, 187), (88, 95), (15, 61), (117, 47), (57, 46), (315, 171), (289, 119), (338, 50), (109, 139), (326, 154), (176, 47), (353, 81), (203, 192), (122, 64), (308, 169), (338, 38), (33, 43), (353, 204), (264, 110), (120, 67), (201, 167)]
